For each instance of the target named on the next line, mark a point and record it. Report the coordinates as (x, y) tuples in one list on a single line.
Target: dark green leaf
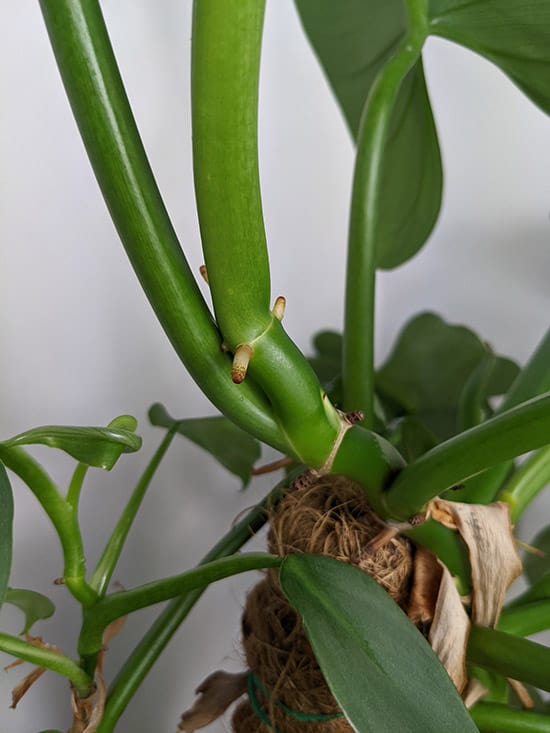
[(427, 371), (412, 438), (381, 670), (514, 35), (100, 447), (537, 568), (353, 39), (329, 345), (34, 605), (6, 531), (232, 447)]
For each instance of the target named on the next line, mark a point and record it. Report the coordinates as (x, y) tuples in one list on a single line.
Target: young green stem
[(526, 619), (109, 558), (526, 483), (49, 660), (154, 641), (510, 434), (534, 378), (116, 605), (75, 487), (510, 656), (62, 516), (358, 345), (100, 106), (490, 716)]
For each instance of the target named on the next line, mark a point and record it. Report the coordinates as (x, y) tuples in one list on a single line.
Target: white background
[(79, 343)]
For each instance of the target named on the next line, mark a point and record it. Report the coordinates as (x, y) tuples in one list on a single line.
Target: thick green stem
[(109, 558), (116, 605), (490, 716), (510, 656), (49, 660), (62, 516), (526, 483), (75, 487), (510, 434), (526, 619), (358, 346), (138, 664), (96, 93)]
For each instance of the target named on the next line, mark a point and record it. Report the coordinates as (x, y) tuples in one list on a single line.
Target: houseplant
[(311, 427)]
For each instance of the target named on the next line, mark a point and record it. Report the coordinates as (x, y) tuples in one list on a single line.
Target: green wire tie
[(254, 685)]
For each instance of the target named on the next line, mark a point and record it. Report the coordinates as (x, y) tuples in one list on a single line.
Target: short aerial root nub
[(204, 273), (241, 360), (279, 308)]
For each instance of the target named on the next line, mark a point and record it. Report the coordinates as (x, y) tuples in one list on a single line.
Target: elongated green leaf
[(382, 672), (35, 606), (429, 367), (6, 531), (232, 447), (536, 568), (100, 447), (534, 378), (513, 35), (353, 39)]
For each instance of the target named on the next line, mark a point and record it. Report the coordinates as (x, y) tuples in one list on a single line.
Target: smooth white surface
[(80, 343)]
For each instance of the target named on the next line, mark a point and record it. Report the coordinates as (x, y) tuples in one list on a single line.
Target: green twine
[(254, 685)]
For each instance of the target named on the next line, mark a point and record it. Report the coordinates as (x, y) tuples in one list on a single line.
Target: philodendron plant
[(408, 469)]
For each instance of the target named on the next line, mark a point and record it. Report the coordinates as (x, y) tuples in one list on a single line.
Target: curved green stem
[(109, 558), (96, 93), (510, 434), (49, 660), (526, 483), (138, 664), (116, 605), (62, 516), (490, 716), (358, 344), (526, 619), (75, 487), (510, 656)]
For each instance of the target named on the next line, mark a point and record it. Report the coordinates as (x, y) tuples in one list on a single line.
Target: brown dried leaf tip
[(217, 692), (241, 360), (28, 681)]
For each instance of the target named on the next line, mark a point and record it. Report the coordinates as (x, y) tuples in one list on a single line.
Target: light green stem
[(49, 660), (526, 483), (109, 558), (526, 619), (490, 716), (358, 344)]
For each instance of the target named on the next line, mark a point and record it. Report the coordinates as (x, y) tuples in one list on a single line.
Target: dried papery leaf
[(113, 630), (217, 692), (473, 693), (522, 693), (439, 512), (450, 630), (494, 560), (82, 711), (425, 588), (25, 685)]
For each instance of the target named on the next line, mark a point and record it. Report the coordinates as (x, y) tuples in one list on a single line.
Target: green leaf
[(429, 367), (381, 670), (537, 568), (6, 531), (353, 39), (412, 438), (228, 444), (100, 447), (513, 35), (35, 606)]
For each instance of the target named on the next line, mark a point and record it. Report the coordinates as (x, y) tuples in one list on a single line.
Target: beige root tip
[(241, 360), (279, 308), (204, 273)]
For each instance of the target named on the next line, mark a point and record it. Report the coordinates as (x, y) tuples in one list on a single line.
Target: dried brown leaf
[(523, 693), (25, 685), (474, 691), (425, 587), (217, 692)]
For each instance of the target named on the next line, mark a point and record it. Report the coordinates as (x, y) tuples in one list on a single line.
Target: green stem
[(537, 592), (122, 603), (483, 488), (510, 656), (49, 660), (526, 619), (526, 483), (138, 664), (490, 716), (61, 515), (109, 558), (534, 378), (499, 439), (93, 84), (75, 487), (358, 344)]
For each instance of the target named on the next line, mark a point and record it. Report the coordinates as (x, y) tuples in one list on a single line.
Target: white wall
[(79, 343)]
